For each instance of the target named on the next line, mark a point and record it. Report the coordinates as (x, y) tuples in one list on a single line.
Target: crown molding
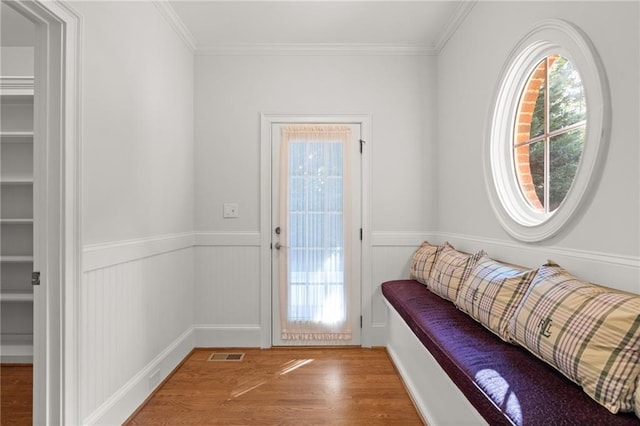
[(316, 49), (454, 23), (169, 14)]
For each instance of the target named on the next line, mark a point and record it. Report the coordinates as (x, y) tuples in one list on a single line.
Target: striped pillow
[(422, 262), (589, 333), (492, 292), (449, 271)]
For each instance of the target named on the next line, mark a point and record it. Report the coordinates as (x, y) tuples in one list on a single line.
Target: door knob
[(277, 246)]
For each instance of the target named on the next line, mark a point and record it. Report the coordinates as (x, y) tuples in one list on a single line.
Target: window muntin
[(549, 132)]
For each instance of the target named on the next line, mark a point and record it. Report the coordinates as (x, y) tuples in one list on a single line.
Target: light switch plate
[(230, 210)]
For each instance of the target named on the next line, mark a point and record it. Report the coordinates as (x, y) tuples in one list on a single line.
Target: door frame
[(266, 122), (57, 191)]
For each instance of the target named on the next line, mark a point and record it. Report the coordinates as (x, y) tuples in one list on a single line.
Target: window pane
[(316, 238), (536, 162), (567, 104), (535, 93), (565, 152)]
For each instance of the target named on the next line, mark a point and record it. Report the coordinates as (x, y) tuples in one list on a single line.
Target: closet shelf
[(16, 259), (17, 221), (10, 136), (16, 181), (16, 296)]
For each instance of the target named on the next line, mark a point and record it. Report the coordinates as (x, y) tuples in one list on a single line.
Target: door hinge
[(35, 278), (360, 321), (362, 142), (360, 234)]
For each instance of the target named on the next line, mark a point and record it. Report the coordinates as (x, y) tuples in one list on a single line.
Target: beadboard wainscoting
[(136, 322), (146, 303), (390, 256), (228, 289), (229, 283)]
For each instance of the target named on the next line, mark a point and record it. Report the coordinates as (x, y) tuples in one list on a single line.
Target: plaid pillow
[(492, 292), (637, 400), (589, 333), (450, 269), (422, 262)]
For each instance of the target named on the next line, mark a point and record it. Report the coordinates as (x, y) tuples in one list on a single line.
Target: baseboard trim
[(378, 334), (227, 336), (129, 397)]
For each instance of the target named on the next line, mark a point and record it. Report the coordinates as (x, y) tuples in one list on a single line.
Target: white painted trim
[(454, 23), (316, 49), (399, 239), (367, 337), (173, 19), (414, 239), (608, 269), (57, 86), (129, 397), (231, 239), (515, 215), (16, 86), (97, 256), (265, 228), (16, 352), (593, 256), (228, 335), (378, 334)]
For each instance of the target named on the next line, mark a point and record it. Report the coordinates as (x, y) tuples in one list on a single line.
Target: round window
[(548, 131)]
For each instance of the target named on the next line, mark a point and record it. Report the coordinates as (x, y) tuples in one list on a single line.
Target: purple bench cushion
[(505, 383)]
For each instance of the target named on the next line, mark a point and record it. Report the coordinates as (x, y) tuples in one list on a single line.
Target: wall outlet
[(230, 210), (154, 379)]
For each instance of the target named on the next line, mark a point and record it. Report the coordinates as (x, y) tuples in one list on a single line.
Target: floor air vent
[(219, 356)]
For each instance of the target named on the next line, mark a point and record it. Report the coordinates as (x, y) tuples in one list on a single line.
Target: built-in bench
[(460, 373)]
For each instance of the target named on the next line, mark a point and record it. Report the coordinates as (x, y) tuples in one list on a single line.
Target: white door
[(316, 233)]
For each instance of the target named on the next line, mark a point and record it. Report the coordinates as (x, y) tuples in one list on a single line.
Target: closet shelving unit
[(16, 219)]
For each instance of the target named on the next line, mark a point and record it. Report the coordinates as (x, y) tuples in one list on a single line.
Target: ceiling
[(213, 24), (233, 24)]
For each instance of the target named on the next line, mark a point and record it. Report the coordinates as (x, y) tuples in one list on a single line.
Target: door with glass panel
[(316, 210)]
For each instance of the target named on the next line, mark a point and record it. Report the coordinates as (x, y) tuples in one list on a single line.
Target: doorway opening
[(56, 209)]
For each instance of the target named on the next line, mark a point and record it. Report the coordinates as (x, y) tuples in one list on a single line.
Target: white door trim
[(58, 191), (266, 121)]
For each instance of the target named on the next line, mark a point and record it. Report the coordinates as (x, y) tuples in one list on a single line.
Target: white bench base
[(436, 397)]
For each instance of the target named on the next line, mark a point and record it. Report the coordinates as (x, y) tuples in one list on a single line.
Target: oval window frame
[(512, 210)]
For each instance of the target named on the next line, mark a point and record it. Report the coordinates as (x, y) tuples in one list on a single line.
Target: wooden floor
[(16, 394), (333, 386)]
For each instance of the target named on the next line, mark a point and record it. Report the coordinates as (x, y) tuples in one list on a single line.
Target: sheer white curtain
[(314, 275)]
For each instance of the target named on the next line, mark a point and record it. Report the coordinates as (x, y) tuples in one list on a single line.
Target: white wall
[(137, 293), (138, 124), (605, 237), (397, 91)]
